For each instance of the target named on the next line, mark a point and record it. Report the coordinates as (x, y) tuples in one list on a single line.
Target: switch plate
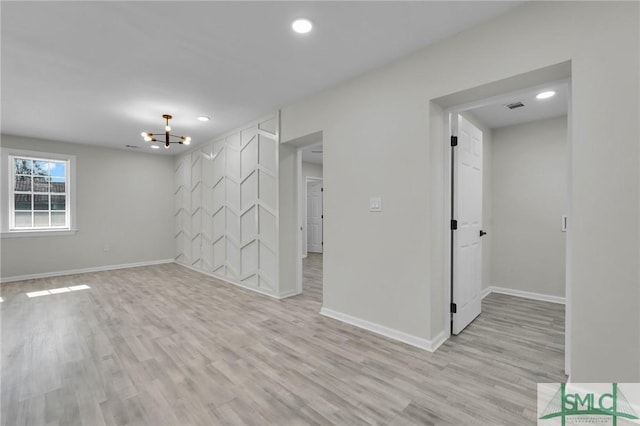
[(375, 204)]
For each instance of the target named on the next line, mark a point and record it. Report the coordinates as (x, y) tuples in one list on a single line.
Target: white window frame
[(7, 159)]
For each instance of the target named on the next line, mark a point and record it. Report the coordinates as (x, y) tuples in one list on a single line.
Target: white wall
[(529, 176), (388, 268), (226, 207), (311, 170), (308, 170), (124, 199)]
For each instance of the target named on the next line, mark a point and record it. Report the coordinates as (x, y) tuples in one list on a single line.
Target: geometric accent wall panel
[(267, 221), (267, 188), (268, 265), (249, 191), (248, 226), (226, 206)]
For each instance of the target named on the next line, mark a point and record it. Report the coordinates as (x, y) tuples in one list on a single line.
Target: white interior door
[(314, 216), (467, 211)]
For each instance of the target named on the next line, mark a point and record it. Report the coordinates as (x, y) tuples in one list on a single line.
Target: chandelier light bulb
[(167, 137)]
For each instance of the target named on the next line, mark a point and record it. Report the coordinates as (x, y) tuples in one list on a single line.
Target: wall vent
[(515, 105)]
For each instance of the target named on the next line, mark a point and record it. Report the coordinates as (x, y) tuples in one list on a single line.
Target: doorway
[(528, 202), (311, 218)]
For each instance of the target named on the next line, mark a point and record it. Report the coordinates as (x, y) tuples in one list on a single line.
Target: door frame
[(301, 201), (451, 130), (306, 213)]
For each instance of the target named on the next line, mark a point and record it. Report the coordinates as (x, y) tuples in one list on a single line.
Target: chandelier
[(168, 137)]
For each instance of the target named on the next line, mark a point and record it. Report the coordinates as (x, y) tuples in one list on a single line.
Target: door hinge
[(454, 224), (454, 141), (454, 308)]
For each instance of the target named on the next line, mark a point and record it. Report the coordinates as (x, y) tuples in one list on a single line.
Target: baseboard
[(485, 292), (83, 270), (409, 339), (524, 294), (440, 338), (240, 284), (289, 293)]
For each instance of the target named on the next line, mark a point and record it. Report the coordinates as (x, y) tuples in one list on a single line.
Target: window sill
[(39, 233)]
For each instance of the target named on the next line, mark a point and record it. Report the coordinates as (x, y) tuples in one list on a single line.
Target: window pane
[(57, 184), (22, 201), (41, 219), (40, 184), (58, 218), (23, 166), (23, 183), (23, 220), (40, 168), (57, 169), (58, 202), (40, 192), (41, 202)]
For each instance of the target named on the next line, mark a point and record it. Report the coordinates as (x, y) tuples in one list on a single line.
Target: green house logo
[(587, 405)]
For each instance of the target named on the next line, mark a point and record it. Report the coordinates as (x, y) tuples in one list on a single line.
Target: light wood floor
[(164, 345), (312, 277)]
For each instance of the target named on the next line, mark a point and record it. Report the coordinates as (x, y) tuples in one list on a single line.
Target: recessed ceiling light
[(545, 95), (203, 118), (155, 147), (301, 26)]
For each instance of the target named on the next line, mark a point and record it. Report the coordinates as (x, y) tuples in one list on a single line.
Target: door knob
[(482, 233)]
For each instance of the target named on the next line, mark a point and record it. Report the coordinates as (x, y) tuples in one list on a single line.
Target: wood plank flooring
[(312, 277), (164, 345)]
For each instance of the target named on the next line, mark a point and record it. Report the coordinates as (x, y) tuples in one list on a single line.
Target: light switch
[(375, 204)]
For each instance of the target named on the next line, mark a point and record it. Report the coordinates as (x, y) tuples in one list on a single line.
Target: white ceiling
[(496, 114), (102, 72)]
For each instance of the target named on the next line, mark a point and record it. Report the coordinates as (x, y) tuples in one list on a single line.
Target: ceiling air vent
[(132, 146), (515, 105)]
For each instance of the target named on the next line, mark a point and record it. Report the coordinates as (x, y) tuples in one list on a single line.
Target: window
[(40, 196)]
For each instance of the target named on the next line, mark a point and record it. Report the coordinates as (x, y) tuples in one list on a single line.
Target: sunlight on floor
[(57, 290)]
